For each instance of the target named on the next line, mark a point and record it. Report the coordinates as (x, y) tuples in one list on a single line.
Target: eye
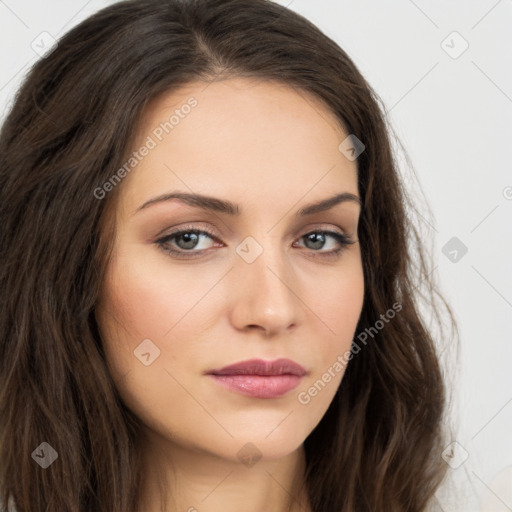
[(185, 239), (317, 240), (186, 242)]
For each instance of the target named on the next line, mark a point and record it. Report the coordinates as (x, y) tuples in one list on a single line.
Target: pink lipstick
[(260, 379)]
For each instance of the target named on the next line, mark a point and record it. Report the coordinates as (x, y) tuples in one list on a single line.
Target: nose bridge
[(265, 289), (269, 266)]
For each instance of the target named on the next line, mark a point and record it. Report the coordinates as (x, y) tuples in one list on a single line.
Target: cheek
[(149, 296), (146, 298), (338, 305), (337, 301), (135, 306)]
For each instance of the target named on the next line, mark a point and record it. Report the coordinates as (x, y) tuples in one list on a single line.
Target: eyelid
[(188, 227), (342, 238), (191, 226)]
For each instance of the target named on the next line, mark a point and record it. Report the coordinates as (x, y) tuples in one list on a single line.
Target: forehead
[(239, 138)]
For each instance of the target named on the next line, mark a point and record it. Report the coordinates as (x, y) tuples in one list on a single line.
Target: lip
[(262, 368), (260, 379)]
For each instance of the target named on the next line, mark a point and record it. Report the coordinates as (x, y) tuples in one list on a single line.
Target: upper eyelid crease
[(229, 208), (187, 228)]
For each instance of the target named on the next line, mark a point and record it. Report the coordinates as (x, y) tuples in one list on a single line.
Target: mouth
[(260, 379)]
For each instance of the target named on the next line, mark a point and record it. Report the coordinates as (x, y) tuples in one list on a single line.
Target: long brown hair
[(377, 448)]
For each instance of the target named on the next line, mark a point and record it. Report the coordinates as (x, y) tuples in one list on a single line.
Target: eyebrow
[(222, 206)]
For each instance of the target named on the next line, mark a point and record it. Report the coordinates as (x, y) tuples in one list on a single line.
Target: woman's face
[(252, 286)]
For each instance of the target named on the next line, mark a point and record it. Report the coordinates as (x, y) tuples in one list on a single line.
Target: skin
[(273, 150)]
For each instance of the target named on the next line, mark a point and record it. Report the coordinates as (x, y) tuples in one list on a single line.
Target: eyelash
[(162, 243)]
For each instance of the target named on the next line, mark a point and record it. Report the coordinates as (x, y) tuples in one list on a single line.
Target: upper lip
[(261, 367)]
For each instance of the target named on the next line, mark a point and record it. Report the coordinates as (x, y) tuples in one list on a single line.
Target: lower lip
[(259, 386)]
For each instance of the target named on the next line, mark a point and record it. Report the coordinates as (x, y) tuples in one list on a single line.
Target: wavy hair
[(378, 446)]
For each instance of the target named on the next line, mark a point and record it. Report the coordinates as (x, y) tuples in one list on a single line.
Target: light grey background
[(452, 109)]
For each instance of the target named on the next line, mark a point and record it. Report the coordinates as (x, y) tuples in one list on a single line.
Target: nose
[(264, 298)]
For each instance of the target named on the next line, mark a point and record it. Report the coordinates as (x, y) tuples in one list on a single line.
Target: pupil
[(318, 238), (190, 240)]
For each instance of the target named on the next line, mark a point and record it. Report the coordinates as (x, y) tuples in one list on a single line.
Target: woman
[(208, 297)]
